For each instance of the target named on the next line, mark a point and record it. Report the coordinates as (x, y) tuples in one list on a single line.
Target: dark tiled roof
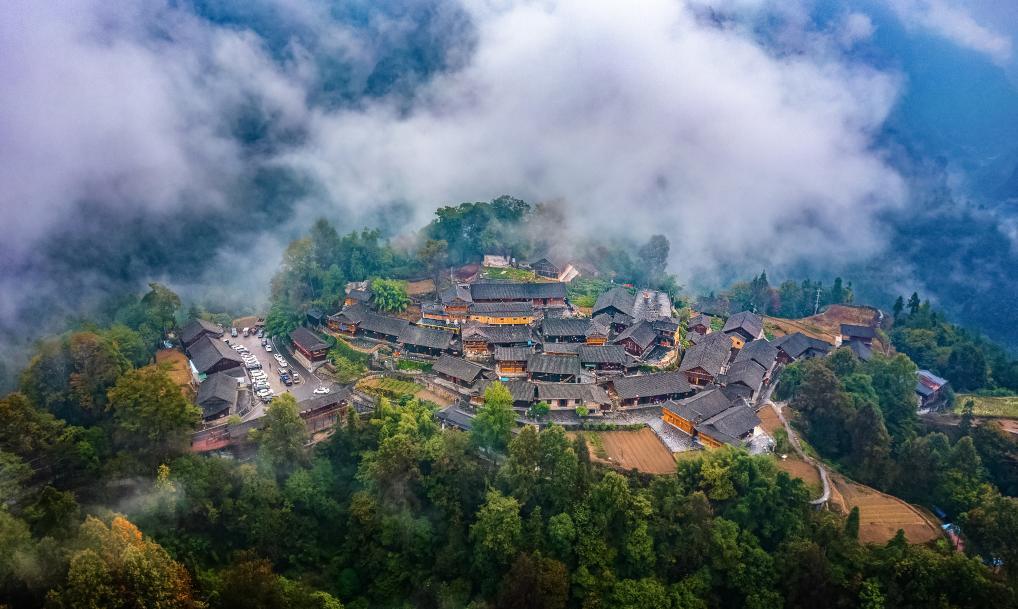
[(572, 391), (457, 417), (563, 348), (425, 337), (642, 334), (665, 324), (603, 354), (571, 326), (194, 328), (517, 291), (794, 345), (458, 368), (206, 353), (455, 293), (860, 349), (513, 309), (619, 298), (650, 385), (354, 314), (218, 386), (651, 304), (359, 295), (336, 396), (858, 331), (746, 372), (307, 339), (760, 351), (710, 354), (383, 324), (502, 335), (599, 326), (699, 320), (701, 406), (512, 354), (554, 364), (730, 425), (745, 322), (522, 390)]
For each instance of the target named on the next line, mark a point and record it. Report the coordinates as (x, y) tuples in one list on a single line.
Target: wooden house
[(348, 320), (797, 346), (564, 329), (382, 327), (554, 368), (217, 396), (760, 351), (458, 371), (209, 356), (647, 389), (357, 293), (481, 341), (309, 349), (541, 295), (699, 324), (931, 390), (667, 331), (197, 328), (704, 361), (861, 334), (427, 341), (512, 361), (502, 313), (613, 302), (606, 358), (545, 268), (638, 339), (598, 331), (455, 301), (746, 373), (712, 419), (743, 327), (570, 396)]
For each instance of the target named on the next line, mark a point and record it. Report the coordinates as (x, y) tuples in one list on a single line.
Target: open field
[(827, 325), (769, 420), (490, 272), (639, 449), (389, 387), (880, 515), (797, 468), (1006, 407), (420, 288)]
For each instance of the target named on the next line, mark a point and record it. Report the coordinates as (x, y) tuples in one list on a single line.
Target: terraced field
[(641, 450), (880, 515)]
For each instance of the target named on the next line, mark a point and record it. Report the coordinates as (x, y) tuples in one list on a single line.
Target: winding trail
[(794, 440)]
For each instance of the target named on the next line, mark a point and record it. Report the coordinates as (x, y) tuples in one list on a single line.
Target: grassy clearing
[(407, 364), (490, 272), (989, 406), (390, 388), (599, 450), (344, 350)]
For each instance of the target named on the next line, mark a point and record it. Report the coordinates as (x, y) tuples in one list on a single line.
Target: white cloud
[(956, 24), (641, 119)]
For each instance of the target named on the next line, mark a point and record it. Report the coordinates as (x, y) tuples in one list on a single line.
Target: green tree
[(162, 305), (852, 523), (390, 295), (281, 320), (151, 416), (283, 436), (899, 306), (434, 255), (539, 410), (913, 303), (497, 530), (968, 410), (966, 367), (494, 422)]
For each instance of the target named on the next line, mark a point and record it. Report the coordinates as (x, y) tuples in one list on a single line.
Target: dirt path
[(793, 439)]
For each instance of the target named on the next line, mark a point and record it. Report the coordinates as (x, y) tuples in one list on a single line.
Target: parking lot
[(301, 390)]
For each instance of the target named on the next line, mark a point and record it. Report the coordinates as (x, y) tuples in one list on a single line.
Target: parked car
[(247, 331), (268, 348), (295, 377), (321, 390), (233, 332)]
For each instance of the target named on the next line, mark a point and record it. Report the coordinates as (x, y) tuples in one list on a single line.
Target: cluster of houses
[(623, 355)]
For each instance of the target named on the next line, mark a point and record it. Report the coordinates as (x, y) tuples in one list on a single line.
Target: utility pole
[(816, 306)]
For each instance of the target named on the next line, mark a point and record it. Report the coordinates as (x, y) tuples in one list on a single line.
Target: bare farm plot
[(641, 450), (769, 420), (827, 325), (807, 472), (880, 515)]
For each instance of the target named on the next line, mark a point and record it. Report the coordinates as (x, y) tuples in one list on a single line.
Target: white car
[(263, 393), (268, 348), (322, 390), (283, 364)]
